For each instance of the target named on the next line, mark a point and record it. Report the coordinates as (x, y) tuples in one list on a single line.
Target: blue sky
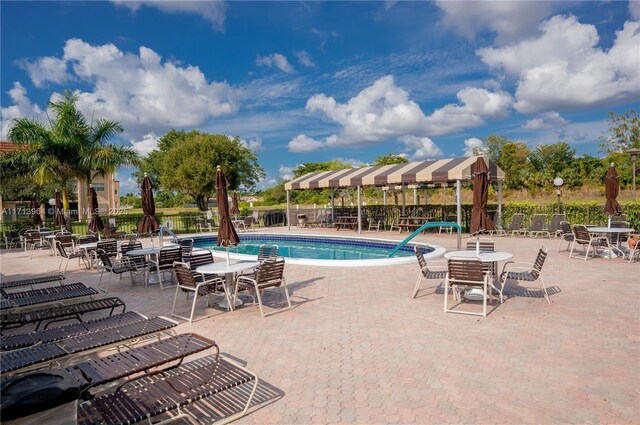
[(314, 81)]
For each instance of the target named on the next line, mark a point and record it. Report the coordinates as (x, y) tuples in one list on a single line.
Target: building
[(107, 188)]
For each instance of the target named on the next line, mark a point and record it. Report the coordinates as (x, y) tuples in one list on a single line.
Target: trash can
[(302, 220)]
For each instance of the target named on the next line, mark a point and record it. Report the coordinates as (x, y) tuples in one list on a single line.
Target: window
[(115, 192), (99, 187)]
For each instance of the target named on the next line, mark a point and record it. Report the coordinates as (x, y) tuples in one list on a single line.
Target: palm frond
[(103, 130), (28, 130)]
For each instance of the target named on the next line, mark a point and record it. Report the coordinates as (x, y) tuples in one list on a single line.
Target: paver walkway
[(357, 349)]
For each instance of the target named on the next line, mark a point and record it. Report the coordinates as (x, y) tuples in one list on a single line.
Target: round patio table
[(485, 257), (229, 270), (608, 231), (154, 250)]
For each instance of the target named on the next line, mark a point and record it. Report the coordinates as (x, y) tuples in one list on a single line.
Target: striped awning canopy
[(422, 173)]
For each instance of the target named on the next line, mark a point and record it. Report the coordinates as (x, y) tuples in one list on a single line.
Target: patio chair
[(425, 271), (554, 227), (466, 273), (117, 267), (68, 256), (187, 248), (634, 247), (485, 244), (529, 272), (565, 235), (537, 227), (138, 260), (249, 223), (32, 240), (581, 236), (109, 246), (12, 239), (198, 259), (618, 239), (270, 274), (516, 226), (164, 263), (186, 282)]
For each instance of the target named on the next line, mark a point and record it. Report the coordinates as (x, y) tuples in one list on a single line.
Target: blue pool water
[(310, 247)]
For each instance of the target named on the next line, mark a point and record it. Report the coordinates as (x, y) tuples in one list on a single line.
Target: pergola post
[(332, 206), (416, 201), (288, 212), (500, 202), (404, 198), (359, 212), (384, 197), (459, 202)]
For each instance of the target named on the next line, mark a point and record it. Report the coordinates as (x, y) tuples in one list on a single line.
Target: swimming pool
[(321, 250)]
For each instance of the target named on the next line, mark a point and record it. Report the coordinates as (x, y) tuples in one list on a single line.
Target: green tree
[(549, 162), (514, 162), (314, 167), (624, 132), (190, 165), (390, 159), (493, 147), (70, 146)]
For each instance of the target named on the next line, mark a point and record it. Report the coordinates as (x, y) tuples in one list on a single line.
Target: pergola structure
[(418, 174)]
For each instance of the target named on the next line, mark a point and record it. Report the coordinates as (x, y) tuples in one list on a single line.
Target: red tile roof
[(9, 147)]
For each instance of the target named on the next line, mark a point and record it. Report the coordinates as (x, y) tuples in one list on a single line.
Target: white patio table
[(229, 270)]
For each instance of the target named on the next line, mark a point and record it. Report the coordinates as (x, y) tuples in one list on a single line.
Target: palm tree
[(70, 147)]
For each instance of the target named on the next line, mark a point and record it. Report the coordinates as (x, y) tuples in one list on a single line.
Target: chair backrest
[(187, 248), (32, 236), (517, 221), (537, 265), (486, 244), (270, 273), (621, 217), (465, 271), (198, 259), (620, 224), (538, 222), (130, 246), (183, 274), (581, 234), (104, 258), (556, 219), (61, 249), (267, 251), (421, 261), (109, 246), (565, 226), (86, 239), (169, 255), (64, 240)]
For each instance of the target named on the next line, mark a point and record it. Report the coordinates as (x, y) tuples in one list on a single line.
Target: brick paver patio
[(357, 349)]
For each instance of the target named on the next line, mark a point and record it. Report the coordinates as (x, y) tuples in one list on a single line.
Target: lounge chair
[(270, 274), (10, 320), (186, 282), (32, 281), (48, 354), (565, 235), (516, 227), (466, 273), (529, 272), (581, 236), (537, 227), (426, 272), (51, 294), (554, 227)]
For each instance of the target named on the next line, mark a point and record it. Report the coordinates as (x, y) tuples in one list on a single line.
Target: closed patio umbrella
[(95, 222), (235, 210), (227, 235), (58, 213), (149, 223), (480, 220), (612, 188), (35, 210)]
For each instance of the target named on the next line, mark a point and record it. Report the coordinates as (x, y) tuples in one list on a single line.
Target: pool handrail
[(426, 226)]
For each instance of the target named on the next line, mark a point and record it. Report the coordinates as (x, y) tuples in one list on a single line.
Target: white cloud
[(563, 68), (305, 59), (423, 148), (21, 107), (634, 9), (253, 144), (277, 60), (545, 120), (141, 92), (212, 11), (471, 145), (303, 143), (286, 172), (148, 143), (46, 68), (509, 20)]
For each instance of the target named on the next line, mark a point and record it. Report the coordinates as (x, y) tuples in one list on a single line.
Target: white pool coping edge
[(437, 252)]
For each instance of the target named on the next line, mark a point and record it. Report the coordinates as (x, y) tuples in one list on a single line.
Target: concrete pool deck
[(357, 349)]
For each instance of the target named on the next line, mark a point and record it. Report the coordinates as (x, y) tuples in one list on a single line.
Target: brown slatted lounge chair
[(118, 267), (186, 282), (15, 341), (9, 320), (466, 273), (270, 274), (537, 227), (32, 281), (554, 227), (581, 236), (47, 295), (529, 272), (43, 355), (147, 397), (427, 272), (516, 226)]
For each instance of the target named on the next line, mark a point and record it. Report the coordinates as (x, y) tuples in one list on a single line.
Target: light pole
[(634, 157), (558, 182)]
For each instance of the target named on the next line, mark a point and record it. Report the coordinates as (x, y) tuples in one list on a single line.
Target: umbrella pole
[(228, 255), (609, 224)]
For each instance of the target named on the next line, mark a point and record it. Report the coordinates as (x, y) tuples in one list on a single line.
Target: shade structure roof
[(426, 172)]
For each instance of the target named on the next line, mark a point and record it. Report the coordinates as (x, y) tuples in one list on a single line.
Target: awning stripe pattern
[(426, 172)]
